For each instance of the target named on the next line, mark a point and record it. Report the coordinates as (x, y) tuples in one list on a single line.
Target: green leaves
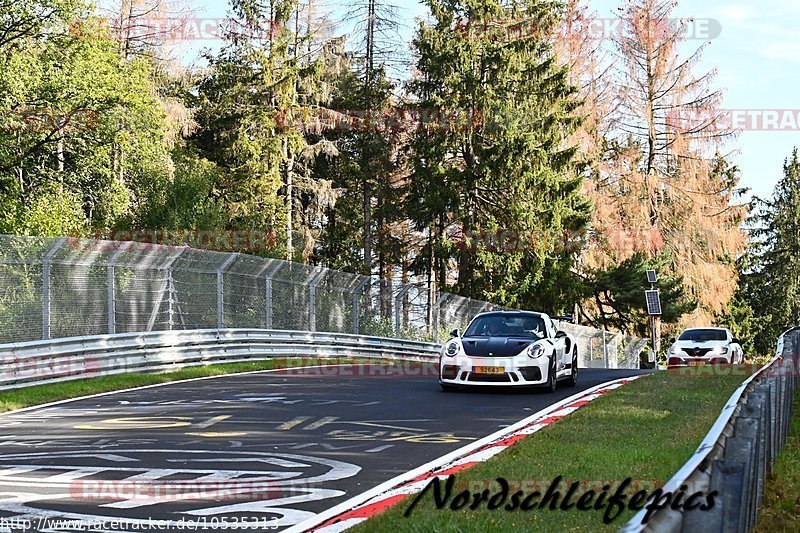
[(770, 271), (510, 166), (618, 294)]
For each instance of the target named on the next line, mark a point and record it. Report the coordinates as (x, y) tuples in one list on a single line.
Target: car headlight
[(535, 351), (451, 349), (674, 350)]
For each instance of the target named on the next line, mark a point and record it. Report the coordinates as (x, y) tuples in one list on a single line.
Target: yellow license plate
[(697, 363), (489, 370)]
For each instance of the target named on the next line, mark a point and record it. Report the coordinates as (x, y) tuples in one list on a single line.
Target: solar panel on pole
[(653, 302)]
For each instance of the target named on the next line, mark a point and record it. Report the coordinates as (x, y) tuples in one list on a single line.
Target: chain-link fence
[(66, 287)]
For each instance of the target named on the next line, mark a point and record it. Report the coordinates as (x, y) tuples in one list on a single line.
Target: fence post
[(220, 290), (268, 294), (169, 288), (398, 300), (440, 297), (112, 303), (356, 308), (316, 277), (48, 257)]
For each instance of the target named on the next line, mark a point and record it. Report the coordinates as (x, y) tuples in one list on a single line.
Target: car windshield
[(507, 326), (703, 335)]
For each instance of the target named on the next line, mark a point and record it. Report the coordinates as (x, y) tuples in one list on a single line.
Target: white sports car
[(702, 346), (509, 348)]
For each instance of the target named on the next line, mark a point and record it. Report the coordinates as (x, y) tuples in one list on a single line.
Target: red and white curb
[(387, 494)]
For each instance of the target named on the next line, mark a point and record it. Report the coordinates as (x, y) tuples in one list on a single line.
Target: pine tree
[(492, 153), (663, 183), (771, 280), (251, 115)]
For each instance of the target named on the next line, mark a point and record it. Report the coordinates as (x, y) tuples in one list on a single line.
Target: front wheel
[(551, 378), (573, 377)]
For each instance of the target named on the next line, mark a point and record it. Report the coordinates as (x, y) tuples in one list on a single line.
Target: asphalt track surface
[(260, 451)]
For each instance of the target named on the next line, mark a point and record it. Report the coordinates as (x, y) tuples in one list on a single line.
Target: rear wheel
[(573, 377)]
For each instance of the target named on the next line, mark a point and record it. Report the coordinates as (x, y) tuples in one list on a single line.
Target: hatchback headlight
[(535, 351), (451, 349)]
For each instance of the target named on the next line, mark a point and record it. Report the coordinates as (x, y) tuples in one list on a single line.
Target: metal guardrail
[(68, 287), (737, 453), (51, 361)]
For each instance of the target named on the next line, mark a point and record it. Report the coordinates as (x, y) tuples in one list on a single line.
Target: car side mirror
[(735, 341), (672, 340), (455, 333), (561, 335)]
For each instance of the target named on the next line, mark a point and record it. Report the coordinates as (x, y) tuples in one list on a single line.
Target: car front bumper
[(517, 371), (676, 361)]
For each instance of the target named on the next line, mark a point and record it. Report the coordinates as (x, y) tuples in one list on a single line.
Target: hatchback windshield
[(703, 335), (507, 326)]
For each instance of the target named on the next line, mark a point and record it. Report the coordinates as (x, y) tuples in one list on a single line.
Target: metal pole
[(397, 303), (220, 290), (356, 308), (46, 286), (169, 288), (170, 310), (268, 294), (112, 303), (440, 297), (653, 338), (605, 349), (312, 298)]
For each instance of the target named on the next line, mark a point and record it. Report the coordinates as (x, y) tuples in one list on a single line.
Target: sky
[(756, 56)]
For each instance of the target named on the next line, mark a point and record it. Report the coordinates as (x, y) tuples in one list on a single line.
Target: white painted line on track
[(154, 385), (336, 518)]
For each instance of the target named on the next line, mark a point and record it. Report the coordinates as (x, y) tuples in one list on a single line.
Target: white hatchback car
[(509, 349), (705, 346)]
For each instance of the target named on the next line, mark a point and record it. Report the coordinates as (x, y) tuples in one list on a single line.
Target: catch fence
[(69, 287)]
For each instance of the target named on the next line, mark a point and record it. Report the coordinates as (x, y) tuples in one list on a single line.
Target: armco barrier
[(68, 287), (50, 361), (737, 454)]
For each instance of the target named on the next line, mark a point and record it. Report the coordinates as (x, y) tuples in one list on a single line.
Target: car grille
[(697, 352), (489, 378)]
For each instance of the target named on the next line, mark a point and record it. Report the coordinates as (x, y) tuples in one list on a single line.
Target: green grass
[(40, 394), (645, 430), (780, 510)]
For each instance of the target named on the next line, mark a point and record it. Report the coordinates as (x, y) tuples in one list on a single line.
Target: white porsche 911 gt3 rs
[(509, 348)]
